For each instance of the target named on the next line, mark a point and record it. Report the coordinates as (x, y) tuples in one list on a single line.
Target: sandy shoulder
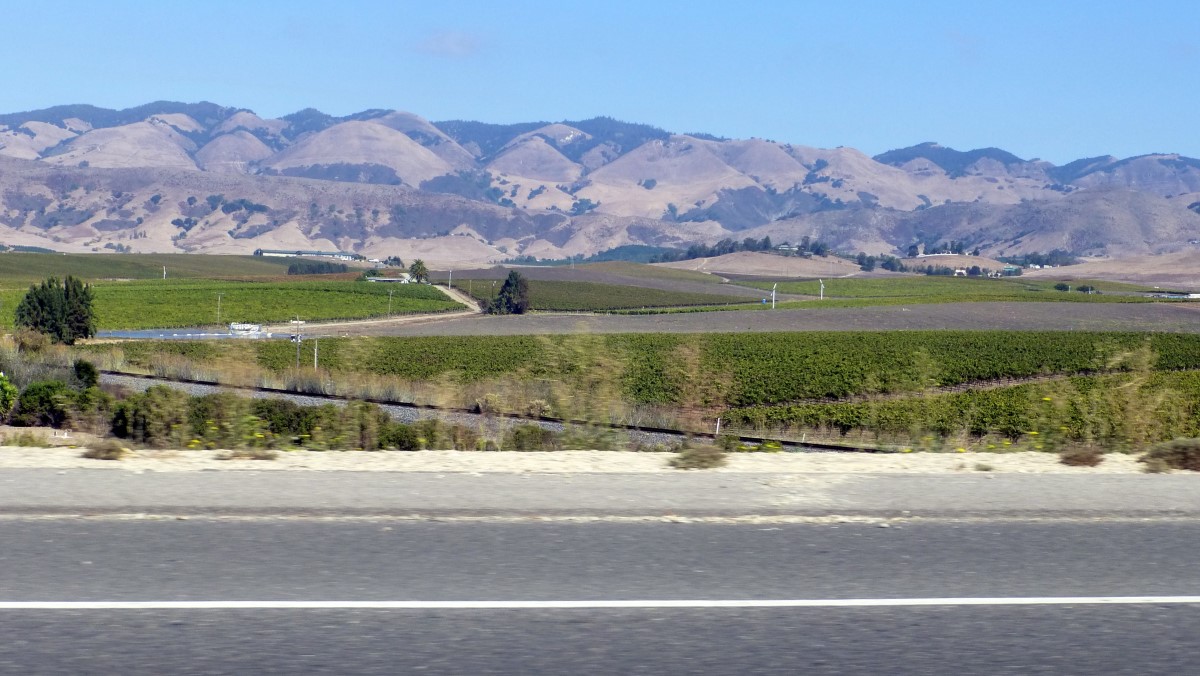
[(566, 462)]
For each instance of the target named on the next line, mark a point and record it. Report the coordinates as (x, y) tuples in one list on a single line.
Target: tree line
[(807, 246)]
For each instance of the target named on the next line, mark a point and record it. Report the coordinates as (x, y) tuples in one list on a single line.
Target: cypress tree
[(61, 311)]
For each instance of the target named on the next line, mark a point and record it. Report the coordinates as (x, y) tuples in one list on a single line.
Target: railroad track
[(540, 420)]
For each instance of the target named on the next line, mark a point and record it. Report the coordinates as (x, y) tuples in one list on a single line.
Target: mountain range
[(202, 177)]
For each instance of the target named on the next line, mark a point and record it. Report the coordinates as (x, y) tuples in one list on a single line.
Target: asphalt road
[(277, 560)]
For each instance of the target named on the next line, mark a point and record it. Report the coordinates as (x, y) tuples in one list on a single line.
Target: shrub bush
[(530, 438), (400, 437), (106, 449), (8, 397), (1175, 454), (91, 410), (29, 340), (86, 374), (1081, 456), (26, 439), (249, 454), (590, 438), (699, 457), (225, 420), (435, 434), (286, 419), (157, 417), (1155, 466), (44, 403)]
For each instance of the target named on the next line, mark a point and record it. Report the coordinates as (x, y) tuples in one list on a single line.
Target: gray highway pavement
[(329, 560)]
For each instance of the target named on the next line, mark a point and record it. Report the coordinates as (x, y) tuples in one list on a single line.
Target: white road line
[(595, 605)]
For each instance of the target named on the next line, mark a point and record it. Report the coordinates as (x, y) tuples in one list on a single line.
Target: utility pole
[(450, 284), (772, 298), (316, 349), (390, 292), (219, 308), (822, 283), (297, 339), (164, 272)]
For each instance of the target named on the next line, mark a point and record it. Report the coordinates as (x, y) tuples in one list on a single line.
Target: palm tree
[(418, 271)]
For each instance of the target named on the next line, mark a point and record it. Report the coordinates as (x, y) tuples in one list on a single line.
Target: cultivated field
[(613, 274), (34, 267), (575, 296), (130, 292), (1024, 316), (940, 289), (176, 303), (931, 388)]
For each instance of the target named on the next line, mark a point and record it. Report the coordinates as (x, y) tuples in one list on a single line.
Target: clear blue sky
[(1056, 80)]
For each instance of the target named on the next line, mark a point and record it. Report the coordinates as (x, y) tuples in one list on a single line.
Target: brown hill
[(233, 153), (1178, 271), (153, 143), (752, 263), (1087, 223), (1164, 175), (420, 130), (552, 189), (682, 172), (361, 144), (533, 159)]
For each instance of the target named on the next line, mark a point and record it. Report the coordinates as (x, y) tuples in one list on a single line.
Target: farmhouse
[(404, 278), (282, 253)]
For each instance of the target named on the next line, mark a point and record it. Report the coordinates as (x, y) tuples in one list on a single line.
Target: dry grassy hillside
[(768, 265), (356, 143), (549, 189), (1177, 271)]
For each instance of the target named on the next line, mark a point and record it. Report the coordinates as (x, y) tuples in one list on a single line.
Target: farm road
[(373, 326)]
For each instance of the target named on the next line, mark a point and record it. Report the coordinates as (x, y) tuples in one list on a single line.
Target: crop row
[(1124, 411), (782, 367), (746, 370), (947, 288), (30, 267), (167, 304)]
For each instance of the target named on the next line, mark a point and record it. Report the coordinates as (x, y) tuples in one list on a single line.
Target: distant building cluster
[(283, 253)]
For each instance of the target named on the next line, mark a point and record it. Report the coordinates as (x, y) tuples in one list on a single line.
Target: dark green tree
[(43, 403), (86, 373), (513, 298), (61, 310)]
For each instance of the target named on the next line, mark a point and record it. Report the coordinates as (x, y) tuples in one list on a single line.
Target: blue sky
[(1056, 80)]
